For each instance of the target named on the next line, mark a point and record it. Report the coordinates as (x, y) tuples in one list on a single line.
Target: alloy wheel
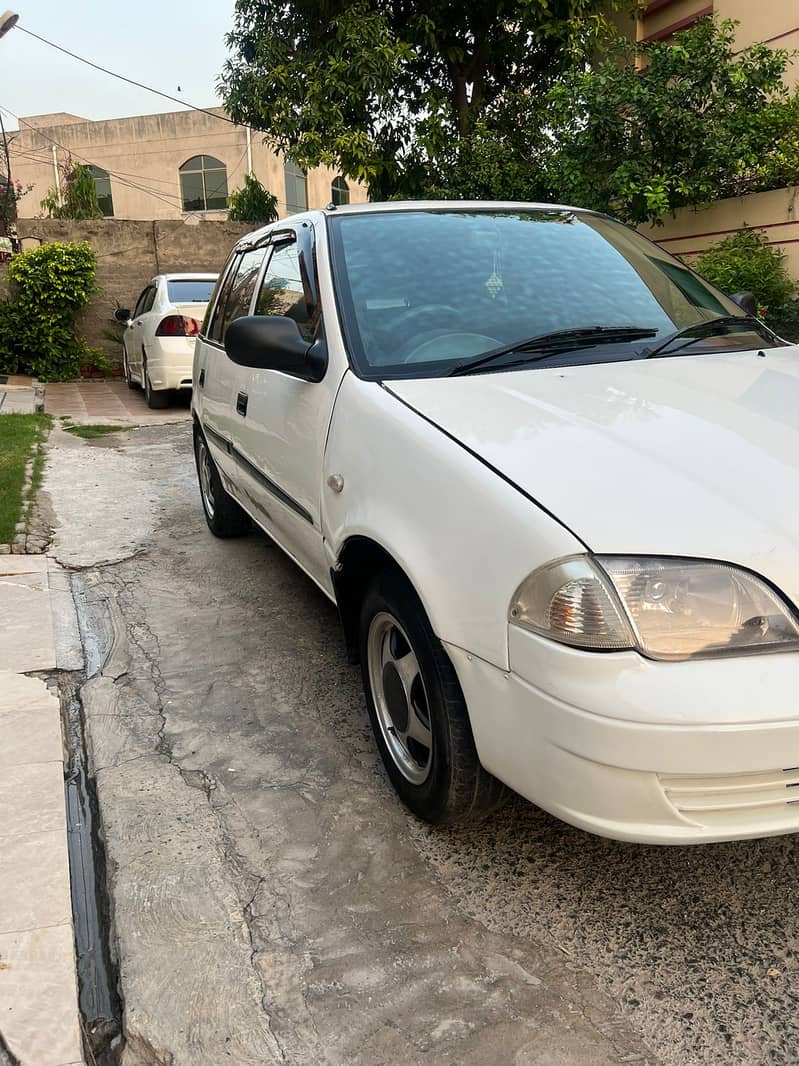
[(205, 469), (400, 698)]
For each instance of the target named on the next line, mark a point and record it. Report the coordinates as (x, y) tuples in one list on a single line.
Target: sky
[(162, 43)]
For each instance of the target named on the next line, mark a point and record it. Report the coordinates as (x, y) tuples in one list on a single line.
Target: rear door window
[(149, 300), (236, 293), (139, 309)]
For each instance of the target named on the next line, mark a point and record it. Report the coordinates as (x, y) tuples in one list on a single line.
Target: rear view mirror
[(122, 314), (746, 302), (272, 342)]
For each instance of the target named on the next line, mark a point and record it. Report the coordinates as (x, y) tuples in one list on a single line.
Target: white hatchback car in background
[(550, 477), (158, 344)]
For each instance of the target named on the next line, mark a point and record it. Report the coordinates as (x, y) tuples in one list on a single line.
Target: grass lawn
[(20, 435), (99, 430)]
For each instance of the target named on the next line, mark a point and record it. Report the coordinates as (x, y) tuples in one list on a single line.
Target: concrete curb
[(38, 986)]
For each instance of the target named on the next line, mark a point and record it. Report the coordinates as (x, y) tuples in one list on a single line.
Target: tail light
[(177, 326)]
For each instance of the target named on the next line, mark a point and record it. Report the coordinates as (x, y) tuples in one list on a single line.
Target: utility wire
[(83, 159), (121, 177), (121, 77)]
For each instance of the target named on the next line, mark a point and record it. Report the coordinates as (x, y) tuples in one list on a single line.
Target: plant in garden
[(252, 203), (78, 197), (745, 261), (381, 89), (698, 122), (785, 321), (50, 285)]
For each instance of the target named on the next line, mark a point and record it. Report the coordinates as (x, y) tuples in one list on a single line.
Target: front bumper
[(661, 753)]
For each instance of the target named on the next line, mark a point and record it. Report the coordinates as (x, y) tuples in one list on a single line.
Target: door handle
[(202, 377), (241, 404)]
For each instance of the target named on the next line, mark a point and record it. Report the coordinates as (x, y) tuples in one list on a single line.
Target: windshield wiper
[(703, 329), (550, 343)]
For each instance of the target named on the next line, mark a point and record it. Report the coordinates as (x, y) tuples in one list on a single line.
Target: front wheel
[(224, 516), (417, 710)]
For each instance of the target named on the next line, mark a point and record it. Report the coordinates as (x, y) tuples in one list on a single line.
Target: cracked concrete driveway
[(271, 900)]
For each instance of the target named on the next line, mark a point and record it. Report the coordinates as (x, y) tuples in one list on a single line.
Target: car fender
[(464, 536)]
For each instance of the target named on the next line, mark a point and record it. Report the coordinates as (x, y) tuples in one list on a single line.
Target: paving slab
[(31, 802), (30, 726), (26, 636), (38, 990), (34, 881), (38, 1017), (17, 401), (110, 402)]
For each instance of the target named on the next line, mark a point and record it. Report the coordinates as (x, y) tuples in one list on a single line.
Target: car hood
[(693, 456)]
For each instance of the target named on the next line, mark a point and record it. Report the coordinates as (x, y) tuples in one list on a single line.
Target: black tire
[(156, 400), (456, 787), (224, 516)]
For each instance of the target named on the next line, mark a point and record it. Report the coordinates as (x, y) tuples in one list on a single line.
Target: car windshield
[(424, 291), (190, 290)]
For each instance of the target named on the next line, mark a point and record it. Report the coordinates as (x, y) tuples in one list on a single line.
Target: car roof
[(407, 205), (187, 276)]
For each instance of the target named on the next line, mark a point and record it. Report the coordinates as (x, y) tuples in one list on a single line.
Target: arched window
[(102, 183), (296, 188), (340, 191), (203, 184)]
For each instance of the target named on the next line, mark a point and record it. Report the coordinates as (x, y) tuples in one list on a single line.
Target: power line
[(121, 175), (130, 81), (83, 159), (114, 174)]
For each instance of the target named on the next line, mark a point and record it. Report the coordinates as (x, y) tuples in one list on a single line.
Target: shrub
[(746, 261), (252, 203), (50, 285), (785, 321)]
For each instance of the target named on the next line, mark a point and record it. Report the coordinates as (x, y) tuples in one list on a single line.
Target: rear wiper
[(704, 329), (559, 340)]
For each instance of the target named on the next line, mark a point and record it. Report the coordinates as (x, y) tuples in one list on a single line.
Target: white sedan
[(549, 476), (158, 343)]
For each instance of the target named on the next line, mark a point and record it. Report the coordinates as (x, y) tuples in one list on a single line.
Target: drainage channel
[(98, 997)]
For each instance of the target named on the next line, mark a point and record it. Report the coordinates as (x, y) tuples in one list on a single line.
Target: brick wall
[(129, 254)]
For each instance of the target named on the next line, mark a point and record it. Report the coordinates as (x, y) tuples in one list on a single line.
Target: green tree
[(252, 203), (78, 198), (381, 89), (697, 122)]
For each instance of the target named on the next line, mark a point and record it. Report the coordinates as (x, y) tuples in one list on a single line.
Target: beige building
[(176, 165), (773, 22)]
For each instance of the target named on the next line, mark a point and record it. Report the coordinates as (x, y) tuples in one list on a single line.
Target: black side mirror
[(746, 302), (122, 314), (271, 342)]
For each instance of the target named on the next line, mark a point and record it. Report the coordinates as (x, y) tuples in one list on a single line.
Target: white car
[(550, 477), (158, 343)]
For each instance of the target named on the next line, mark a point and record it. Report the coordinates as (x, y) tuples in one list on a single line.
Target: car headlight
[(665, 608)]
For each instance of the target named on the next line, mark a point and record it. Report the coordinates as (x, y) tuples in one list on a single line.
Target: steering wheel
[(442, 344), (412, 323)]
